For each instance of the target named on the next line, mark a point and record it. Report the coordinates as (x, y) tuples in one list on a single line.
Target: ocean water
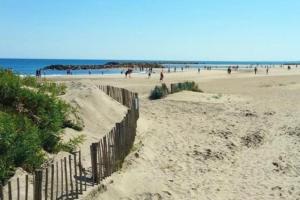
[(29, 66)]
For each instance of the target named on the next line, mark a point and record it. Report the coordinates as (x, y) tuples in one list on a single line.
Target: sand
[(240, 139)]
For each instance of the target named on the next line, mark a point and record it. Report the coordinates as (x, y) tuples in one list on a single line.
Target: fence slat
[(56, 193), (38, 181), (18, 188), (9, 191), (80, 171), (76, 177), (26, 187), (52, 182), (66, 177), (1, 192), (71, 176), (62, 178), (46, 184)]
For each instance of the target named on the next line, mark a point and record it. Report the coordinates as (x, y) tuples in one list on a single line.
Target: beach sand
[(240, 139)]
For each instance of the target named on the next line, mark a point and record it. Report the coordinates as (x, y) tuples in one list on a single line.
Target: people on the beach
[(38, 73), (149, 74), (161, 76), (267, 70), (69, 72), (199, 70), (289, 67), (128, 73), (229, 70), (255, 70)]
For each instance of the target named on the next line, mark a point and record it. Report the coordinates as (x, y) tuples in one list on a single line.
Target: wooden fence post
[(94, 162), (38, 181), (76, 177), (9, 191), (71, 176), (66, 177), (26, 187), (46, 185), (80, 171), (18, 187), (52, 182), (1, 192)]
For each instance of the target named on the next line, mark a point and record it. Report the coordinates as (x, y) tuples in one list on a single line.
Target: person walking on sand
[(199, 70), (255, 70), (229, 70), (267, 70), (149, 74), (161, 76)]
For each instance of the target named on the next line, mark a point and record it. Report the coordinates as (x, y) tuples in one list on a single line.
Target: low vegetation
[(31, 121), (161, 91), (188, 85)]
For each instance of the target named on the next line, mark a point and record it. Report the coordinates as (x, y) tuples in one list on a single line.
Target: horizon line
[(163, 60)]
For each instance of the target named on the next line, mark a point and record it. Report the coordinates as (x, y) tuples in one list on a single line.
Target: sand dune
[(238, 140)]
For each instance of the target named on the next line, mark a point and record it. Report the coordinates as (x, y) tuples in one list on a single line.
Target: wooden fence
[(67, 179)]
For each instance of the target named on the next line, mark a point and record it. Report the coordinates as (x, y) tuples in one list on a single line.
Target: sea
[(29, 66)]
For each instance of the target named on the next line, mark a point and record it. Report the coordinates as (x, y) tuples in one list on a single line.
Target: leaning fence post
[(38, 180), (9, 191), (1, 192), (94, 162), (18, 187), (52, 182), (26, 187)]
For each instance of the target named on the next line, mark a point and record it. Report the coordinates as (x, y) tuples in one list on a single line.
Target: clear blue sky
[(151, 29)]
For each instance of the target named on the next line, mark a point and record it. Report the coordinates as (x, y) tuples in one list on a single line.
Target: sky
[(216, 30)]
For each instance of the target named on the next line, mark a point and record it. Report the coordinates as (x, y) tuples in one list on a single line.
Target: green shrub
[(188, 85), (31, 121), (44, 86), (20, 144), (71, 145), (159, 92)]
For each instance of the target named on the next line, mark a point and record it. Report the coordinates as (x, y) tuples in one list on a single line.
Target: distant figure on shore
[(69, 72), (38, 73), (161, 76), (255, 70), (174, 69), (169, 70), (128, 73), (289, 67), (149, 74), (90, 72), (229, 70), (102, 73), (182, 69), (199, 70), (267, 70)]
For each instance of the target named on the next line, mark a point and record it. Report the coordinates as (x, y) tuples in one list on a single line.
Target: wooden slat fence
[(67, 179)]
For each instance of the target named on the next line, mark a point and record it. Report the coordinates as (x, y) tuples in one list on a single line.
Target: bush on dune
[(159, 92), (188, 85), (31, 121)]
